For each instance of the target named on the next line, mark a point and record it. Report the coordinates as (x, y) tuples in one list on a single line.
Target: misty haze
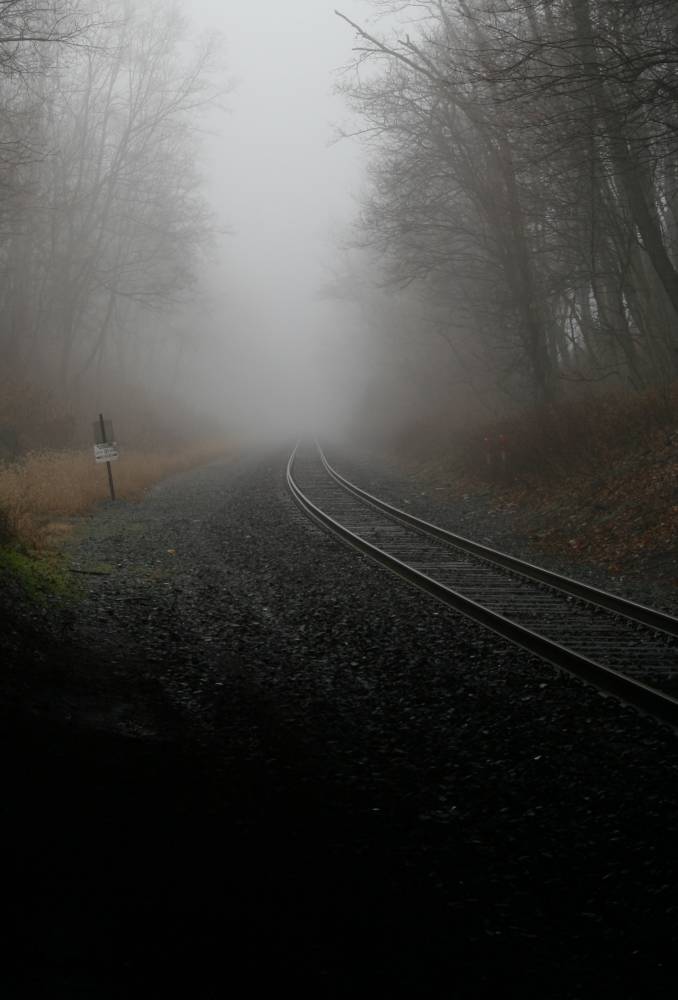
[(338, 505)]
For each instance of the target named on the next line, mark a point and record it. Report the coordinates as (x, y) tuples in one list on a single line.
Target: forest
[(513, 257), (524, 177), (520, 218), (102, 220)]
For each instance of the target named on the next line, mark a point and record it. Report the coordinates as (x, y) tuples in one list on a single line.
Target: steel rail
[(633, 692), (658, 620)]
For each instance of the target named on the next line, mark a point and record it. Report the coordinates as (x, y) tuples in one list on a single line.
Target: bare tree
[(113, 221), (525, 161)]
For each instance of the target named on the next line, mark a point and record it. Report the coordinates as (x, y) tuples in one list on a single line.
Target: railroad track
[(621, 647)]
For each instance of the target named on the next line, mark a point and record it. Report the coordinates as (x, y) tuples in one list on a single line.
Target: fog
[(163, 244), (182, 234), (281, 355)]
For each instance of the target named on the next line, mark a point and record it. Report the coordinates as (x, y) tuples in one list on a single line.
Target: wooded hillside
[(525, 174)]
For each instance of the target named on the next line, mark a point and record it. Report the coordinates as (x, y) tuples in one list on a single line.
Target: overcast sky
[(276, 177)]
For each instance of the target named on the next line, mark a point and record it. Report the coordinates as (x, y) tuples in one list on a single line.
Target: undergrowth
[(557, 441), (590, 480)]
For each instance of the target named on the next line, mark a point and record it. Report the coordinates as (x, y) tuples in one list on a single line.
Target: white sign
[(106, 452)]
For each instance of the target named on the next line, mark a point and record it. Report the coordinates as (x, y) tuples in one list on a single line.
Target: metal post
[(108, 464)]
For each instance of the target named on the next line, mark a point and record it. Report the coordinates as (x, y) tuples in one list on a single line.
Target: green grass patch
[(39, 575)]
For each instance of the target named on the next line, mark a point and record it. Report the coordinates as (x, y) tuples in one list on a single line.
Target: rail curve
[(623, 648)]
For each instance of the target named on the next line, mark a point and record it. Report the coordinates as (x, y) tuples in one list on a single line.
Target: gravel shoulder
[(229, 763)]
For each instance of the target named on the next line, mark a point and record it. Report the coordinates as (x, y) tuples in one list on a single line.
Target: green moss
[(39, 575)]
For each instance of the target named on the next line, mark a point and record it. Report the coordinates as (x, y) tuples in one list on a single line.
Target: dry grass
[(46, 486)]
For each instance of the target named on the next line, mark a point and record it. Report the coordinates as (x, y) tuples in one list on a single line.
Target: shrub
[(554, 440)]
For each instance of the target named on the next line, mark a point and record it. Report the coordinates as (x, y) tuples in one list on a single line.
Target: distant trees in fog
[(525, 173), (101, 218)]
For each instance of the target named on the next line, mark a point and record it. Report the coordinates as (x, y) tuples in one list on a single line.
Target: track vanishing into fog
[(623, 648)]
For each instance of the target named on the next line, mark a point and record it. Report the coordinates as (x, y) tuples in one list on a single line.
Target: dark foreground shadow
[(139, 868), (131, 864)]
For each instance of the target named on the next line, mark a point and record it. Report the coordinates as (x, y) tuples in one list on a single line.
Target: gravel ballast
[(484, 516), (246, 751)]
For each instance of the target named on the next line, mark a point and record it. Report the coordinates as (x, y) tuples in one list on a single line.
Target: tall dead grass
[(46, 486)]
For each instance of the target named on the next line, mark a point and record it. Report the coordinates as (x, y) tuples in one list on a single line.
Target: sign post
[(105, 449)]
